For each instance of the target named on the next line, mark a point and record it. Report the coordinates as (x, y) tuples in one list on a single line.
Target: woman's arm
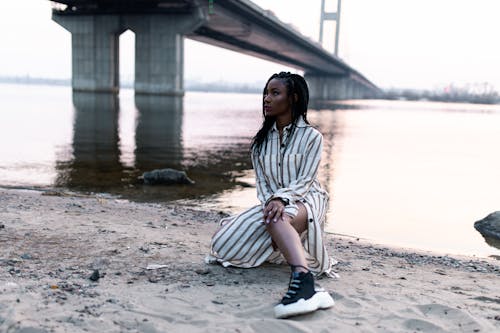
[(263, 191)]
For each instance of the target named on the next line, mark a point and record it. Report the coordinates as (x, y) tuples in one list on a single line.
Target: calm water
[(411, 174)]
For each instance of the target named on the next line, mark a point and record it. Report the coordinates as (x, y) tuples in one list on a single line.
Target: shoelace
[(293, 284)]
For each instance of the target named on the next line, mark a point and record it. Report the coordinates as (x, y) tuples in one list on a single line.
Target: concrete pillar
[(323, 87), (159, 52), (159, 48), (94, 41)]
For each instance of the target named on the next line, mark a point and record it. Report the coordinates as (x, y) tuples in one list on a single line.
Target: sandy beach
[(79, 263)]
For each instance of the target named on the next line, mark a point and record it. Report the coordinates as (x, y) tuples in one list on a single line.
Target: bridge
[(160, 27)]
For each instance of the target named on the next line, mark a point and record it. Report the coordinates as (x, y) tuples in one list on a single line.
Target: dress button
[(279, 163), (310, 220), (282, 145)]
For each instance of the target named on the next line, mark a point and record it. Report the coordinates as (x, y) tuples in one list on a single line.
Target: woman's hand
[(273, 211)]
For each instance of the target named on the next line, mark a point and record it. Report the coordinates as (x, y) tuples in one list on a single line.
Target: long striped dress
[(281, 171)]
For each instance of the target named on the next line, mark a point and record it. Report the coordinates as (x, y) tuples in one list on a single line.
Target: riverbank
[(51, 243)]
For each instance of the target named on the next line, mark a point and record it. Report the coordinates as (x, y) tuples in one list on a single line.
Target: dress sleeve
[(263, 191), (306, 176)]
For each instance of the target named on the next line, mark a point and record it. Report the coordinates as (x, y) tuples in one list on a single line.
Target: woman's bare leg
[(286, 237)]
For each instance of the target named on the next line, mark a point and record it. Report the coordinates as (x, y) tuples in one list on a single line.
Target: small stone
[(497, 317), (209, 283), (26, 256), (153, 279), (202, 271), (217, 302), (95, 275), (2, 226)]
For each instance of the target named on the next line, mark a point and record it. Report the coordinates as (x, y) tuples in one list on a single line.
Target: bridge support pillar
[(94, 40), (159, 52), (327, 88), (323, 87)]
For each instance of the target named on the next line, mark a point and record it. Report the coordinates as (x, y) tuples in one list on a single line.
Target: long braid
[(295, 84)]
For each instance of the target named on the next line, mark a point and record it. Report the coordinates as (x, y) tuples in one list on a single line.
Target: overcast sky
[(394, 43)]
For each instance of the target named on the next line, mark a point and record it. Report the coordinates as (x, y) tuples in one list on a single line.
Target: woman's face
[(276, 102)]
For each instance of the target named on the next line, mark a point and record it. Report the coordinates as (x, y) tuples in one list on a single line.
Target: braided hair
[(295, 84)]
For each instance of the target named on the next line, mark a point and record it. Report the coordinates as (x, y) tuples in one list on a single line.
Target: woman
[(286, 153)]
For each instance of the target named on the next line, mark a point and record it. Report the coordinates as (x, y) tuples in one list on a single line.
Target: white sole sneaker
[(320, 300)]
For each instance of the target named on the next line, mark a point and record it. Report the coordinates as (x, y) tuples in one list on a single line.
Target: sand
[(52, 242)]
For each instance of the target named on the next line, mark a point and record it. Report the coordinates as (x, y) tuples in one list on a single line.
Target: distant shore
[(455, 95), (54, 242)]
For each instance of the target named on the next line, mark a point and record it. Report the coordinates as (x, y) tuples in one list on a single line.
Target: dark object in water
[(489, 227), (165, 177)]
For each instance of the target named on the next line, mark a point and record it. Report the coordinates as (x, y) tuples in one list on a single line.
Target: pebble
[(2, 226), (217, 302), (153, 279), (202, 271), (26, 256), (95, 275)]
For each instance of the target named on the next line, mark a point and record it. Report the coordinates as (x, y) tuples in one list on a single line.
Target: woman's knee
[(299, 222)]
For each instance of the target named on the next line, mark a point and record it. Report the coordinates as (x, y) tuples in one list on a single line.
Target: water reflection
[(158, 132), (95, 149), (97, 164)]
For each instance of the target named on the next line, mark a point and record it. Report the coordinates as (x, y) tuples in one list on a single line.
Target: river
[(408, 174)]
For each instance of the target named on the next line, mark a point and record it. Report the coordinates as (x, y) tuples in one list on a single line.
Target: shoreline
[(62, 191), (53, 241)]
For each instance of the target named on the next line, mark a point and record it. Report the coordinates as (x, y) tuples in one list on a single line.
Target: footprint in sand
[(441, 316)]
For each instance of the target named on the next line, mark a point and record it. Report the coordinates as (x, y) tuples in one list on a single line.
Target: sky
[(423, 44)]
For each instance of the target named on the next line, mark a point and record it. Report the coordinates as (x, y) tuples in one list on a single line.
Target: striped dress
[(281, 171)]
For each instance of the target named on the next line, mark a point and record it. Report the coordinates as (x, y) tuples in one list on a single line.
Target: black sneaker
[(302, 297)]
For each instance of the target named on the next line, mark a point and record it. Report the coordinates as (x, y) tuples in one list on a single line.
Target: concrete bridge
[(160, 27)]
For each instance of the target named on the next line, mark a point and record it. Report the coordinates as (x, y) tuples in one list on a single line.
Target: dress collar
[(299, 123)]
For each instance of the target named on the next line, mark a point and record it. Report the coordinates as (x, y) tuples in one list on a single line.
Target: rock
[(30, 330), (166, 177), (26, 256), (2, 226), (95, 275), (202, 271), (489, 227), (156, 266), (153, 279)]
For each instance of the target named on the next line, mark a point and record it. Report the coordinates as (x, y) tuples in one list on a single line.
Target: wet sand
[(51, 243)]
